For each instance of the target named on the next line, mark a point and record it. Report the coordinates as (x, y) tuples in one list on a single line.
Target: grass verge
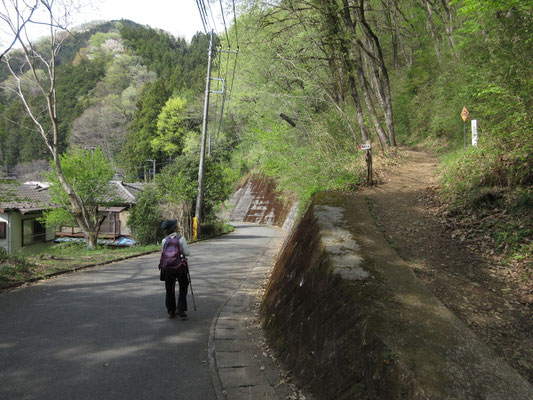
[(17, 269)]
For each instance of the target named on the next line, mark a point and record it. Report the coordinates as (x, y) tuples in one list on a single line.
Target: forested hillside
[(113, 79), (313, 79)]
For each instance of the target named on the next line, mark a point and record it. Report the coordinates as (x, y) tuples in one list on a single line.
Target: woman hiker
[(173, 265)]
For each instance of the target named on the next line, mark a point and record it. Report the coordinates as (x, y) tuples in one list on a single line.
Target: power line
[(201, 15), (223, 68), (224, 20), (217, 64), (236, 54), (224, 95), (233, 74), (222, 73), (235, 25), (214, 27), (205, 16)]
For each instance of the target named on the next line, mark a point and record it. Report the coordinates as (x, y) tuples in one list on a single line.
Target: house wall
[(14, 232), (13, 243), (4, 217), (124, 229), (50, 234)]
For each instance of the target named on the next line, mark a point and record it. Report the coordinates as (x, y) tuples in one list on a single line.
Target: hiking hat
[(169, 225)]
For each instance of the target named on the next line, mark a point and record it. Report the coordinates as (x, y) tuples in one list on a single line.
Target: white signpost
[(474, 132), (365, 146)]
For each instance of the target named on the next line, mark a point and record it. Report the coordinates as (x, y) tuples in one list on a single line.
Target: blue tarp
[(121, 241)]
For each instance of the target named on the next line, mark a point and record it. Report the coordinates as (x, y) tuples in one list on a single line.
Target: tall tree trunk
[(360, 115), (379, 68), (429, 13), (394, 42), (92, 239), (448, 24), (333, 25), (369, 103), (398, 32), (351, 24)]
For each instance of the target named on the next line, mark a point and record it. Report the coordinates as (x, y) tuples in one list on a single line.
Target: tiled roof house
[(22, 204), (20, 208), (116, 205)]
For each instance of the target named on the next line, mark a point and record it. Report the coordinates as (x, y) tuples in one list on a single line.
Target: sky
[(178, 17)]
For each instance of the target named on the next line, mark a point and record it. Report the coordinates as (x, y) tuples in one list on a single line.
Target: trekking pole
[(192, 293)]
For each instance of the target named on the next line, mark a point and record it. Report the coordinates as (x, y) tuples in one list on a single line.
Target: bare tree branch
[(19, 16), (15, 29)]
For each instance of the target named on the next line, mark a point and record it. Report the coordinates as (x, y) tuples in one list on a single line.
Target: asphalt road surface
[(104, 333)]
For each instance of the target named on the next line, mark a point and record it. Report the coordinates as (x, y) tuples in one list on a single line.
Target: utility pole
[(153, 169), (200, 198)]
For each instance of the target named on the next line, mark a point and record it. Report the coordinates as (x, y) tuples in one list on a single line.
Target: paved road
[(103, 333)]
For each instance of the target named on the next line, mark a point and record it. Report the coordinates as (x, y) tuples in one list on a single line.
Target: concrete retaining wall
[(258, 201), (352, 321)]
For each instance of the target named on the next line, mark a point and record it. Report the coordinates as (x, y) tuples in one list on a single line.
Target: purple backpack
[(171, 256)]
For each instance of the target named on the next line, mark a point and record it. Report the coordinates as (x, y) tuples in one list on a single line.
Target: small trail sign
[(366, 146), (465, 114)]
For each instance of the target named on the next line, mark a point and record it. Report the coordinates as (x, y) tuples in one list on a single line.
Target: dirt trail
[(468, 282)]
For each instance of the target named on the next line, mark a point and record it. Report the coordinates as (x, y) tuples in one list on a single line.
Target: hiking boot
[(171, 314), (182, 314)]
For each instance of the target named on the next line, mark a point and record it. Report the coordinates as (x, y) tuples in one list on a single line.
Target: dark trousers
[(181, 275)]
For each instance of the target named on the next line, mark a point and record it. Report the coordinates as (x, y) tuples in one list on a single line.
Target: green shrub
[(305, 164), (215, 229), (13, 268), (145, 217)]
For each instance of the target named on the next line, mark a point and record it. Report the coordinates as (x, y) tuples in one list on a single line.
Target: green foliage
[(143, 128), (485, 166), (20, 141), (429, 98), (283, 72), (216, 229), (177, 185), (490, 74), (145, 217), (88, 173), (179, 182), (99, 83), (73, 83), (483, 181), (110, 105), (159, 50), (14, 268), (497, 43), (181, 73), (171, 127), (99, 38), (305, 165)]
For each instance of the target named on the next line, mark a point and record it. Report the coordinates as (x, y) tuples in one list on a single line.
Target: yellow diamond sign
[(465, 114)]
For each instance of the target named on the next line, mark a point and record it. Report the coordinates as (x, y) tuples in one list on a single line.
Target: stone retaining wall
[(351, 320)]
